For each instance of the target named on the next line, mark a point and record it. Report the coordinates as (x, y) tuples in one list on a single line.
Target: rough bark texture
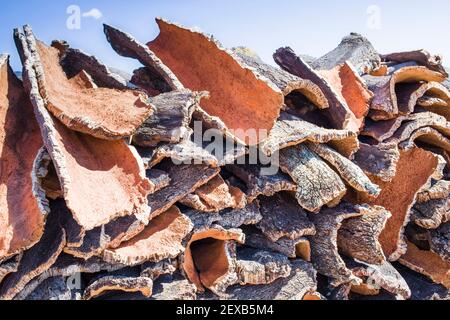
[(290, 130), (23, 206), (431, 214), (118, 283), (423, 57), (317, 183), (283, 217), (236, 218), (408, 95), (9, 266), (339, 113), (439, 190), (429, 136), (222, 75), (174, 288), (440, 241)]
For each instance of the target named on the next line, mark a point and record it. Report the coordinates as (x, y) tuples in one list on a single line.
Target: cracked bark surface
[(318, 184), (236, 218), (290, 130), (284, 218), (111, 167), (170, 121), (431, 214), (428, 135), (222, 75), (384, 104), (118, 283), (23, 204), (440, 241), (439, 190), (358, 236), (427, 263), (154, 270), (159, 178), (161, 239), (354, 48), (174, 288), (324, 245), (338, 113), (349, 171)]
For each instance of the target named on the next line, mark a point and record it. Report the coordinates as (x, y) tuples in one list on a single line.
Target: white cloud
[(93, 13)]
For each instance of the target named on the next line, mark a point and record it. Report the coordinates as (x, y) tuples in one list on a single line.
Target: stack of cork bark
[(210, 174)]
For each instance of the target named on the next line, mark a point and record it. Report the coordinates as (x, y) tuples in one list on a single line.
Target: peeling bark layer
[(222, 75), (408, 95), (440, 241), (160, 240), (23, 206), (118, 283), (317, 183), (423, 57), (379, 161), (431, 214)]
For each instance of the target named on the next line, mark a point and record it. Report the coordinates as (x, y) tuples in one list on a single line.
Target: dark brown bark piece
[(174, 288), (74, 233), (73, 61), (290, 130), (379, 161), (170, 121), (423, 57), (126, 45), (431, 214), (358, 237), (300, 283), (159, 178), (9, 266), (185, 179), (99, 167), (349, 171), (23, 206), (222, 75), (439, 190), (37, 259), (440, 241), (283, 217), (118, 283), (256, 267), (235, 218), (318, 184), (324, 245), (154, 270), (354, 48), (429, 136), (339, 113)]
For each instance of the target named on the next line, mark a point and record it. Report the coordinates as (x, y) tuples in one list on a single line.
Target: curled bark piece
[(101, 112), (255, 267), (283, 217), (76, 158), (285, 81), (423, 57), (171, 119), (324, 246), (300, 283), (317, 183), (429, 136), (37, 259), (427, 263), (126, 45), (160, 240), (348, 171), (358, 237), (339, 113), (216, 195), (68, 267), (23, 204), (73, 61), (185, 179), (9, 266), (384, 104), (354, 48), (352, 89), (378, 161), (398, 197), (291, 248), (440, 241), (439, 190), (175, 288), (431, 214), (383, 276), (46, 173), (259, 183), (216, 269), (159, 178), (250, 215), (290, 130), (74, 233), (222, 75), (408, 95), (118, 283)]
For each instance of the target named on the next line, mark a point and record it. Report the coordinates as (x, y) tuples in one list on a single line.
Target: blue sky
[(313, 27)]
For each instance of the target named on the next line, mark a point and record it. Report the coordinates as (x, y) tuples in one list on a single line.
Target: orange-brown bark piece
[(23, 206), (90, 170), (414, 170), (201, 64), (427, 263), (101, 112), (160, 240)]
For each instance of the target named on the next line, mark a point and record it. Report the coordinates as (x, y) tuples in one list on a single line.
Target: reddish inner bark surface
[(21, 221), (237, 96), (413, 170), (117, 112)]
